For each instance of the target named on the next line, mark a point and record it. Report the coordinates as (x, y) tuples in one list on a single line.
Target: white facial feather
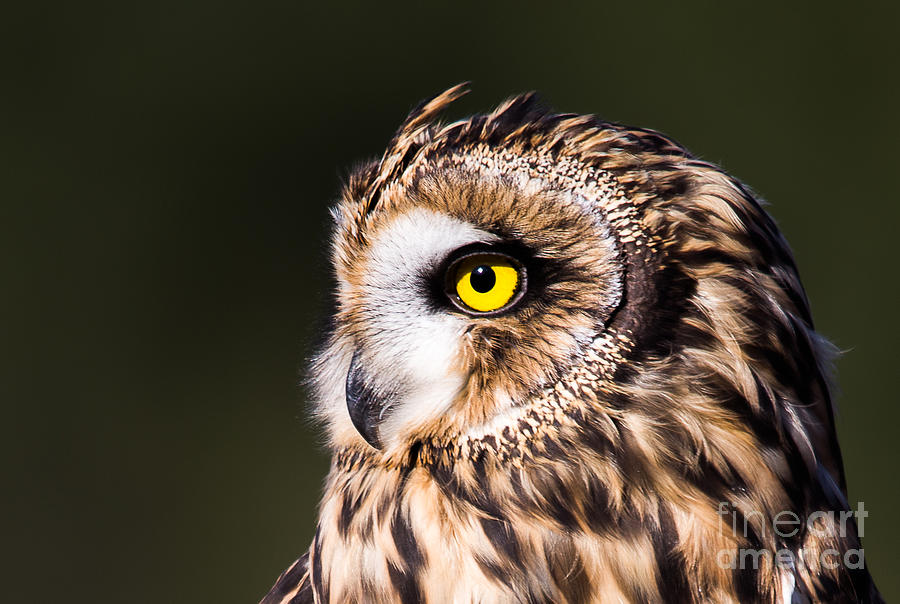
[(408, 346)]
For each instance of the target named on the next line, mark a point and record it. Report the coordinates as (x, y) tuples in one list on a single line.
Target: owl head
[(508, 276)]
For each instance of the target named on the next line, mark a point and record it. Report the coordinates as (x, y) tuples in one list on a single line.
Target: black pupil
[(483, 279)]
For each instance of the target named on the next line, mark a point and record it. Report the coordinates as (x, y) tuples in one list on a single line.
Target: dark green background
[(165, 169)]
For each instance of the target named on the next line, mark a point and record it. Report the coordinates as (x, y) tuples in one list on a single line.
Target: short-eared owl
[(569, 362)]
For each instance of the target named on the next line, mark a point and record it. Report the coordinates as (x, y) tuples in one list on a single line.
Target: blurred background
[(165, 173)]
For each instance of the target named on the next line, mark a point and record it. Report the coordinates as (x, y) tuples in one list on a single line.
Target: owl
[(569, 362)]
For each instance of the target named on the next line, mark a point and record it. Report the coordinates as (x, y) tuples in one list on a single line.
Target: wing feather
[(293, 586)]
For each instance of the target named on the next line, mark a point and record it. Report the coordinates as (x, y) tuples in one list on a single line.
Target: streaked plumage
[(579, 444)]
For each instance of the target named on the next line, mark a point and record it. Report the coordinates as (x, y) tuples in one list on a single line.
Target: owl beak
[(365, 403)]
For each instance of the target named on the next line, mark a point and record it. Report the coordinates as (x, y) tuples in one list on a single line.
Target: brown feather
[(668, 365)]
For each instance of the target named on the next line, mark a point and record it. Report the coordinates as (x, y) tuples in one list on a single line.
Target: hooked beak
[(365, 403)]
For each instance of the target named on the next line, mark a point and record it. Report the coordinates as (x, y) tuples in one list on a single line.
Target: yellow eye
[(485, 282)]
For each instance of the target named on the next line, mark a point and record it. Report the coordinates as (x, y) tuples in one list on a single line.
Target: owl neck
[(562, 495), (535, 524)]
